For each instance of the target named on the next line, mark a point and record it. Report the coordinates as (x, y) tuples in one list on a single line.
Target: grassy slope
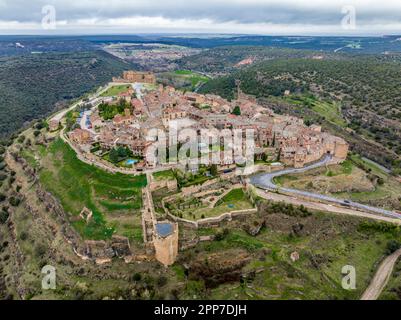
[(114, 199), (329, 110), (115, 91), (336, 242)]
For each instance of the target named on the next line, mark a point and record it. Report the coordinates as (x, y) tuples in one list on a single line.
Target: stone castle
[(135, 76)]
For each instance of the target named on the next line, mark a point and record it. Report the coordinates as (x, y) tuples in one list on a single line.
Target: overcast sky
[(270, 17)]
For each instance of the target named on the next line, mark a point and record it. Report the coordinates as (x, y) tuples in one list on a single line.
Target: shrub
[(162, 281), (392, 246), (21, 139), (222, 234), (15, 202), (137, 277), (40, 250), (23, 236), (284, 208), (383, 227), (3, 217), (12, 180)]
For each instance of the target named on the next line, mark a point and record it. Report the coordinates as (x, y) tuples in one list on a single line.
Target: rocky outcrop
[(254, 227)]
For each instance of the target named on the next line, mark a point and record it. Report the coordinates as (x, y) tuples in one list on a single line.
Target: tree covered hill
[(32, 86), (365, 90), (225, 59)]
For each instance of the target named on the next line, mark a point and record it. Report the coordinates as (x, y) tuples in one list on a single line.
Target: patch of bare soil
[(218, 268)]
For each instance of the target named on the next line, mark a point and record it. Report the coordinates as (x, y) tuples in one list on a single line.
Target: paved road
[(319, 206), (266, 181), (95, 97), (381, 277)]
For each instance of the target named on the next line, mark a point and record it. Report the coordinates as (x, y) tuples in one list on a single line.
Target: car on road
[(347, 203)]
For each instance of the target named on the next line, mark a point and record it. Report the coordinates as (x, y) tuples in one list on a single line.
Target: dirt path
[(381, 277)]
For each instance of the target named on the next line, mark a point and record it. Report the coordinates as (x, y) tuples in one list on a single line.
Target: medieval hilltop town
[(119, 118)]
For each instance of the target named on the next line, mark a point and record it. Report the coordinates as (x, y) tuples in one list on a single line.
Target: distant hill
[(231, 58), (32, 85), (358, 45)]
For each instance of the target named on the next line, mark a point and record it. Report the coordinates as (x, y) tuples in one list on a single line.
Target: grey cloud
[(240, 11)]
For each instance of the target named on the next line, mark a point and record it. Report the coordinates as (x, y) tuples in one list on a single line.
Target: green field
[(115, 90), (115, 199), (195, 78), (184, 79)]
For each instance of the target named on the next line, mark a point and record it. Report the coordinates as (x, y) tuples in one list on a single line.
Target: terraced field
[(193, 209)]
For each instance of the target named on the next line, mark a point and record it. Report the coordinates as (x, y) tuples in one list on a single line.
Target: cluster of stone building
[(277, 137), (135, 76)]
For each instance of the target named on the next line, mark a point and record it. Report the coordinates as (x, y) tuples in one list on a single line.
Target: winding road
[(266, 181)]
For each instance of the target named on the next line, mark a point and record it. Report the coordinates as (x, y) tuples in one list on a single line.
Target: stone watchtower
[(165, 240)]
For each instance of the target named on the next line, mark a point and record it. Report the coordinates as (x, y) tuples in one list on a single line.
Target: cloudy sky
[(270, 17)]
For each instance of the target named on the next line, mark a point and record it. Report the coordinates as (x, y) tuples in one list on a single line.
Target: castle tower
[(165, 240)]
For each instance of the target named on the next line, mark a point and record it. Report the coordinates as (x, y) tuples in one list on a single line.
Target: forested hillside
[(32, 85), (226, 59), (365, 91)]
